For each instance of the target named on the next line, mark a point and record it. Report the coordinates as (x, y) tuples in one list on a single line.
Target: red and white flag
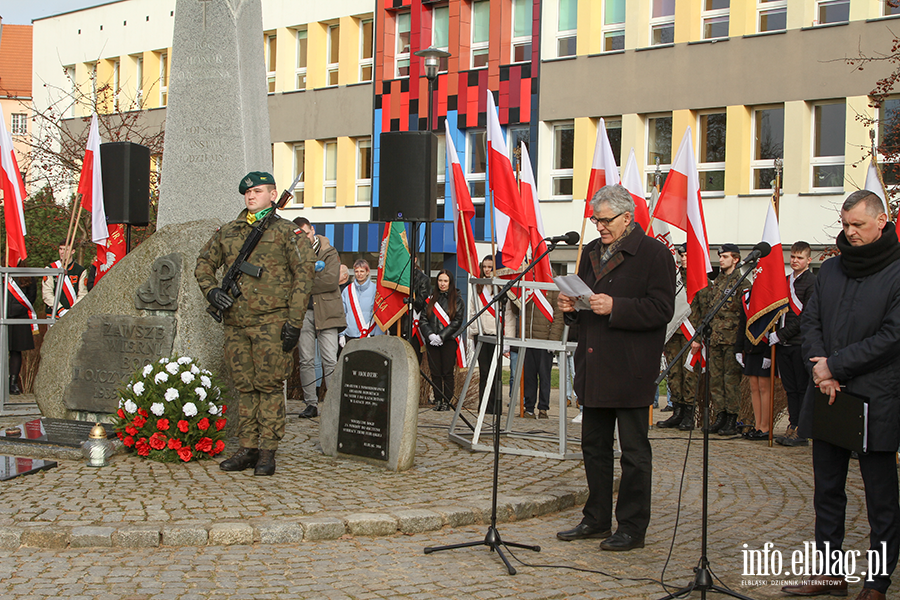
[(509, 216), (632, 180), (769, 294), (13, 196), (874, 185), (680, 206), (113, 251), (603, 168), (463, 212), (90, 186), (541, 271)]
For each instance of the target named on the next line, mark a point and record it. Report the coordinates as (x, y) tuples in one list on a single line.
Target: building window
[(768, 144), (139, 81), (712, 152), (562, 168), (94, 87), (827, 160), (614, 134), (329, 193), (300, 68), (441, 170), (890, 10), (364, 171), (481, 22), (659, 147), (299, 169), (334, 44), (566, 28), (476, 163), (523, 15), (516, 135), (715, 19), (401, 54), (19, 124), (271, 52), (772, 15), (613, 25), (366, 50), (164, 78), (116, 85), (889, 140), (73, 89), (662, 22), (440, 34), (832, 11)]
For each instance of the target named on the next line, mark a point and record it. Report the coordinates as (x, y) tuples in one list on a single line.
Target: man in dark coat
[(851, 340), (620, 340)]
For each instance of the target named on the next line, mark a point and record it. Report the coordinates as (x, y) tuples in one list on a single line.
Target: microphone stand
[(703, 579), (492, 539)]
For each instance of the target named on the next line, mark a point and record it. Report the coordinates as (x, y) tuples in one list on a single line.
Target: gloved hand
[(435, 340), (342, 340), (290, 335), (740, 358), (320, 265), (219, 298), (773, 338), (767, 362)]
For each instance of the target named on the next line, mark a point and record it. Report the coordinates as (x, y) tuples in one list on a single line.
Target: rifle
[(240, 265)]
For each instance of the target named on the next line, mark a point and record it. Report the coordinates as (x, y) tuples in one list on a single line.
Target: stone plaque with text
[(113, 347), (363, 425)]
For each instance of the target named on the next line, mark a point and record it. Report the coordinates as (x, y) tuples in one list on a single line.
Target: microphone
[(570, 238), (760, 250)]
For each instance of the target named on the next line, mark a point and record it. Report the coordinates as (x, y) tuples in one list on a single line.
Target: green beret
[(255, 178)]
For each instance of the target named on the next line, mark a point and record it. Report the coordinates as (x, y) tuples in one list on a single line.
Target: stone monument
[(373, 415)]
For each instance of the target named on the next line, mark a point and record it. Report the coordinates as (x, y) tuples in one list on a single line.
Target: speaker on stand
[(126, 185), (408, 176)]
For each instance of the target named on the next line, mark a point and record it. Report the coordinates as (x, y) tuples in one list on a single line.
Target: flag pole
[(776, 200), (878, 173), (70, 234)]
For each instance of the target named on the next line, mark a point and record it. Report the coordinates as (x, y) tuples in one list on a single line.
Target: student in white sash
[(74, 284), (359, 306), (482, 296), (442, 318), (20, 296)]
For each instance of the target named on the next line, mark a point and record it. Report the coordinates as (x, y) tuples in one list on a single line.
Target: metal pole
[(427, 259)]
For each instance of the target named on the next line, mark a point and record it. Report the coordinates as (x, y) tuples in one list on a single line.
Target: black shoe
[(674, 420), (240, 460), (756, 435), (583, 531), (716, 425), (14, 389), (265, 466), (309, 412), (730, 426), (621, 542), (666, 408), (687, 421)]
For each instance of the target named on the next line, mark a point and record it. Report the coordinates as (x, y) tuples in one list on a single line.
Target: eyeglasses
[(606, 222)]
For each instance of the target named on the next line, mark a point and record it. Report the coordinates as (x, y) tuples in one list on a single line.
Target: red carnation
[(143, 413), (128, 441), (157, 441), (220, 445), (174, 444), (204, 445), (120, 435), (121, 413), (220, 424), (203, 424), (183, 426), (130, 430), (185, 454), (139, 421), (143, 448), (224, 408), (162, 424)]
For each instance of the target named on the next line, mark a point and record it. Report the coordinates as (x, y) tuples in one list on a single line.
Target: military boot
[(716, 425), (14, 389), (687, 421), (730, 426), (266, 464), (240, 460), (675, 419)]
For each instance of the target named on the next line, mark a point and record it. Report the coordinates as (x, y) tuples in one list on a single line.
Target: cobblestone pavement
[(757, 495)]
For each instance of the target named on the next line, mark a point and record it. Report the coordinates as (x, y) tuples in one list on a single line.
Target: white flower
[(138, 388), (130, 407), (171, 394), (194, 369), (161, 377), (190, 409), (147, 370), (201, 393), (213, 409), (187, 377), (163, 360), (206, 372), (184, 360), (157, 409), (121, 402), (172, 368), (205, 381)]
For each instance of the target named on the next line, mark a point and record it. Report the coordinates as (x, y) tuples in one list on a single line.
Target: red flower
[(204, 445), (143, 413), (128, 441), (121, 413), (130, 430), (139, 421), (174, 444), (157, 441), (220, 424), (120, 434), (185, 454), (183, 426), (224, 408), (203, 424), (143, 448), (162, 424), (220, 445)]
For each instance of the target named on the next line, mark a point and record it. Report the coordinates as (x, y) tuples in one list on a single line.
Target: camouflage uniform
[(724, 369), (682, 383), (253, 324)]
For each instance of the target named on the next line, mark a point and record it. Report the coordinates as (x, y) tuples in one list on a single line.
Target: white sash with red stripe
[(693, 357), (444, 318), (486, 301), (22, 299), (795, 303), (364, 330), (68, 289), (542, 304)]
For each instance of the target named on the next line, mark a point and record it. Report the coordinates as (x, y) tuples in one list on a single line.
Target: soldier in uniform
[(724, 369), (262, 325), (74, 286)]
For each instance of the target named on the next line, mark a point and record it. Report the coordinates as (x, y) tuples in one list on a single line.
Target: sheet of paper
[(574, 287)]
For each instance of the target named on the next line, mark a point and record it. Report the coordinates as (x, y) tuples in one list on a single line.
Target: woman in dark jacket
[(442, 318), (756, 362), (21, 337)]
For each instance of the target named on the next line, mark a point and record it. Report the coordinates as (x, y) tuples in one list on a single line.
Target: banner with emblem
[(392, 284)]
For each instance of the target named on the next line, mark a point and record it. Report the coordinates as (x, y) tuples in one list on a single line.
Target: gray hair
[(874, 205), (617, 197)]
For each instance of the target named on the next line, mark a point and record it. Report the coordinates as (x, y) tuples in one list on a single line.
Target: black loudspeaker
[(126, 183), (408, 176)]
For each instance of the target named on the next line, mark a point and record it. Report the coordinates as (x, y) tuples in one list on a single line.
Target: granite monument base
[(52, 438)]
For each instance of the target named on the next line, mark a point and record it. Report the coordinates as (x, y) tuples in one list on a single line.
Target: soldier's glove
[(342, 340), (767, 362), (219, 298), (435, 340), (290, 335), (740, 358)]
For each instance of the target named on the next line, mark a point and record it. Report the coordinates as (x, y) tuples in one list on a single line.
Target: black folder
[(844, 423)]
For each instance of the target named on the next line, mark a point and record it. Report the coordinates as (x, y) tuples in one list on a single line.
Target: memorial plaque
[(56, 432), (13, 466), (114, 347), (160, 292), (363, 425)]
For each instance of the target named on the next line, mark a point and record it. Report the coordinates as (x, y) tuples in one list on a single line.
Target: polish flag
[(603, 168), (13, 196), (90, 186), (769, 295), (541, 271), (680, 206), (113, 249), (509, 217), (463, 212), (633, 182)]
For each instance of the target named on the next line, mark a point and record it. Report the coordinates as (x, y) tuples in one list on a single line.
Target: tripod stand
[(492, 539), (703, 579)]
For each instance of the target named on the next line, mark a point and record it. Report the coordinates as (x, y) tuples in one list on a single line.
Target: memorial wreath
[(172, 410)]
